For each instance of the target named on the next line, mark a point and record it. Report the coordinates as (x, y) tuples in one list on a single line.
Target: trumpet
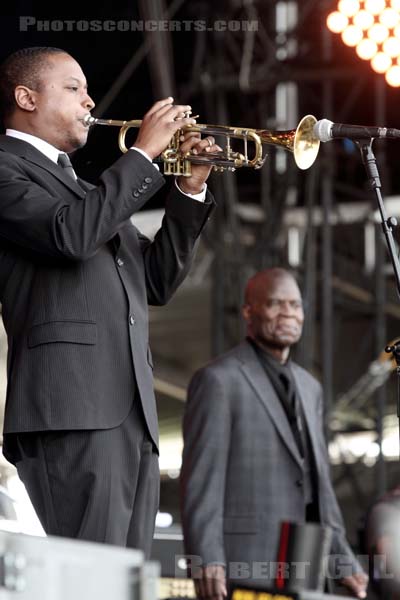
[(302, 142)]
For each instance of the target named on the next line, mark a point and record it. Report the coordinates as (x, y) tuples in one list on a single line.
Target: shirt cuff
[(143, 153), (200, 197)]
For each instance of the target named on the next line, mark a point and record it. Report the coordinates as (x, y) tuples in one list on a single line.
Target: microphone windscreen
[(322, 130)]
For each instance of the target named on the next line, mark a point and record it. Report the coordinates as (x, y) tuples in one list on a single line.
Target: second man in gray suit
[(254, 449)]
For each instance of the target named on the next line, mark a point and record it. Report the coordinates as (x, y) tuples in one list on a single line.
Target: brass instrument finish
[(301, 141)]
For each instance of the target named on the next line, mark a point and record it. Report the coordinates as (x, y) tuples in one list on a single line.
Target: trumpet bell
[(302, 141), (306, 144)]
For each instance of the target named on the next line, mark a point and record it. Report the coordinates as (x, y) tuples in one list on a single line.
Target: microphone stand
[(388, 224)]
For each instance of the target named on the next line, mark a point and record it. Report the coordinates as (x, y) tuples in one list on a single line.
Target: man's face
[(275, 316), (61, 104)]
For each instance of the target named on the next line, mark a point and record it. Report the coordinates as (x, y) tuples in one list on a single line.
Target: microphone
[(326, 131)]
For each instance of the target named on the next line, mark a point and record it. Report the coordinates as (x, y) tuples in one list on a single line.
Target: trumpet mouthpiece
[(89, 120)]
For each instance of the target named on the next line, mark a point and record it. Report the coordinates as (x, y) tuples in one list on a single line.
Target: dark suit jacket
[(242, 472), (76, 278)]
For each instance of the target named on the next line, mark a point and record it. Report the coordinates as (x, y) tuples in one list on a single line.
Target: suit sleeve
[(343, 558), (207, 437), (168, 258), (66, 226)]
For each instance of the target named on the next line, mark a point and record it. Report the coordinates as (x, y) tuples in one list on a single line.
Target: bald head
[(273, 311), (264, 280)]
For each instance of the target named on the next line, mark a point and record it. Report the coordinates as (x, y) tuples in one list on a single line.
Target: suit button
[(144, 186), (140, 190), (131, 320), (148, 179), (299, 483), (119, 262), (136, 194)]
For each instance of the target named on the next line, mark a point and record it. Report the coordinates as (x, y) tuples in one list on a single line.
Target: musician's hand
[(159, 125), (357, 584), (211, 585), (192, 142)]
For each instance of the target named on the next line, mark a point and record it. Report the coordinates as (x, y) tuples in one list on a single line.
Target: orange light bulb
[(337, 22), (363, 19), (389, 17), (366, 49), (351, 36), (375, 7), (393, 76), (391, 46), (378, 33), (349, 7), (381, 62)]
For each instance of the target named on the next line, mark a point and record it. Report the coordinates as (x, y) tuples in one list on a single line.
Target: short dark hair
[(23, 67)]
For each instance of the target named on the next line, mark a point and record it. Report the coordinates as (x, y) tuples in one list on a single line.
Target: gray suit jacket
[(76, 278), (242, 471)]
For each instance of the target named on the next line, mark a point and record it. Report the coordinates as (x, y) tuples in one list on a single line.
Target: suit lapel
[(265, 392), (85, 185), (33, 156), (308, 404)]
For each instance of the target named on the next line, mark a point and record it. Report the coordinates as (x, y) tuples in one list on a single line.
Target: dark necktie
[(65, 163), (292, 408)]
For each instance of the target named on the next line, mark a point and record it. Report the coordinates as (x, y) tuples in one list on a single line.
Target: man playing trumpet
[(76, 279)]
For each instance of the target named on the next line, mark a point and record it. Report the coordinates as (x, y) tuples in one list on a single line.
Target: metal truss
[(236, 78), (267, 77)]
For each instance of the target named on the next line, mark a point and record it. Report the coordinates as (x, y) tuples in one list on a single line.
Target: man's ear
[(246, 313), (25, 98)]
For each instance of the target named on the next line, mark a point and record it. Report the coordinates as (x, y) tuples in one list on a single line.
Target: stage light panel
[(372, 28)]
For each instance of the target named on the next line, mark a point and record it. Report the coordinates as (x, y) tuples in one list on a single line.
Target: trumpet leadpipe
[(90, 121)]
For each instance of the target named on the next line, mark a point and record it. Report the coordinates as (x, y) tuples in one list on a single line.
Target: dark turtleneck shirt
[(283, 381)]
